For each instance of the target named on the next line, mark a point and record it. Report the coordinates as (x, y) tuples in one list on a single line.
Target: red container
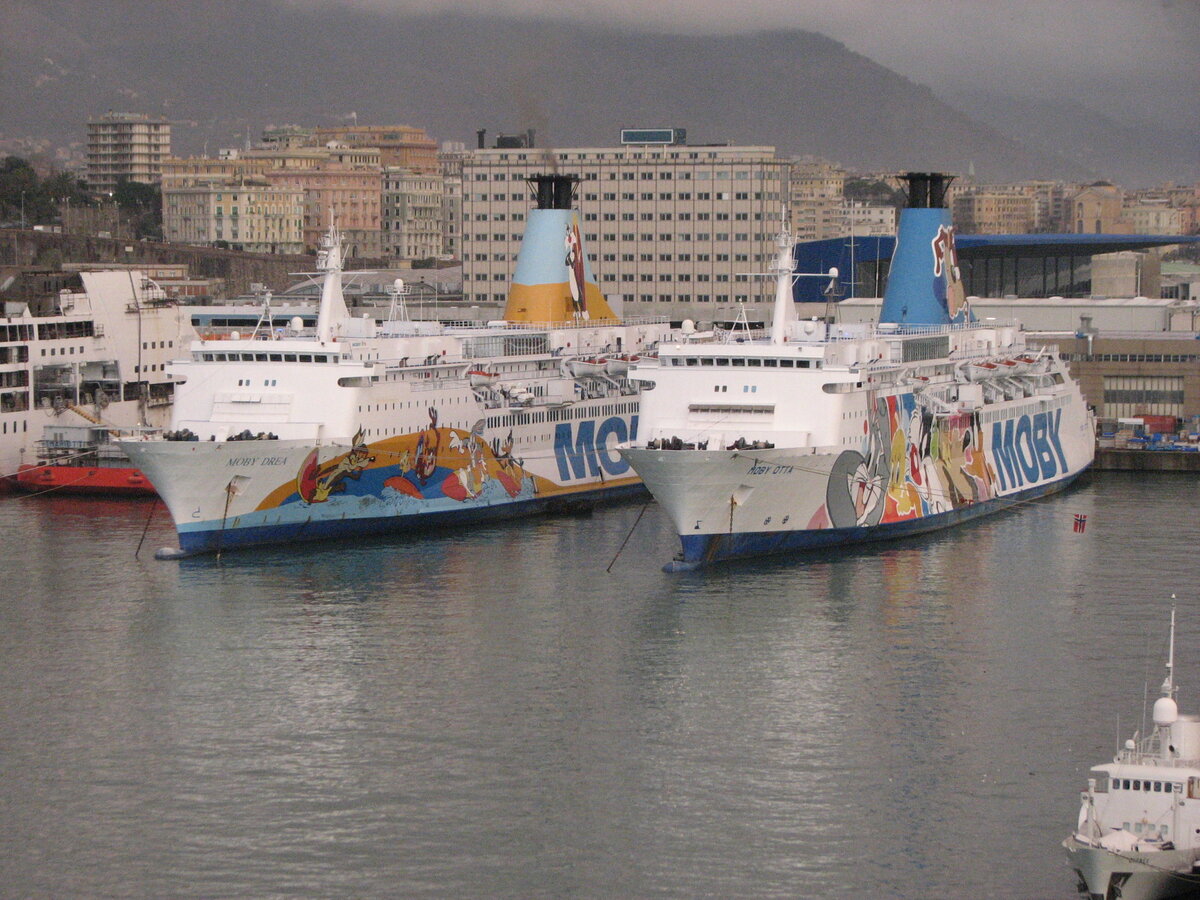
[(1160, 424)]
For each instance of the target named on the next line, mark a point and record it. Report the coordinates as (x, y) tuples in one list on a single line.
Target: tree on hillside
[(142, 204), (20, 187), (871, 190)]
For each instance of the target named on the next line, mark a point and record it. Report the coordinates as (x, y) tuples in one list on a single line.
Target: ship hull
[(739, 503), (1159, 875), (102, 481), (702, 549), (225, 495)]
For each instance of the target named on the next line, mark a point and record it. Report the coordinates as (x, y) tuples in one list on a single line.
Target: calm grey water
[(491, 714)]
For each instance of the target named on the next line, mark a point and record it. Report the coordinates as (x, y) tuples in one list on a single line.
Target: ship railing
[(500, 325), (247, 332)]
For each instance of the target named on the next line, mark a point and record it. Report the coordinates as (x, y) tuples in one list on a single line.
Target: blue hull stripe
[(212, 540), (700, 549)]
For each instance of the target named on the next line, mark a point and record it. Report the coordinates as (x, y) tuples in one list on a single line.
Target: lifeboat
[(587, 366), (481, 378), (619, 365)]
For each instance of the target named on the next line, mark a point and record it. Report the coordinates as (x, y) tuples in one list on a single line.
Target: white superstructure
[(100, 357), (1138, 832)]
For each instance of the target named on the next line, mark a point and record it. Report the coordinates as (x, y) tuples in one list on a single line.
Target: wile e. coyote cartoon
[(315, 482)]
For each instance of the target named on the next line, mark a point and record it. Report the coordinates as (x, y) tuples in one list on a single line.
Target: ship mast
[(784, 311), (332, 311)]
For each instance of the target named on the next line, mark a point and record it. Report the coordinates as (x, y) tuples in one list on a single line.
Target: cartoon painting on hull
[(448, 466), (315, 482), (913, 464)]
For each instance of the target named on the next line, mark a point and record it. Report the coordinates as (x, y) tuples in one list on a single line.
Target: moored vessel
[(353, 428), (1137, 836), (91, 356), (85, 459), (821, 435)]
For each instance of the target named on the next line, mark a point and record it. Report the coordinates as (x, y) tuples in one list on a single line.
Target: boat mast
[(1168, 687), (333, 305), (784, 310)]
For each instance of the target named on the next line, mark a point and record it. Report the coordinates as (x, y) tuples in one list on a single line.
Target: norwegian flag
[(1080, 523)]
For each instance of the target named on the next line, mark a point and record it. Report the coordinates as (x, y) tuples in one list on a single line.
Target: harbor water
[(495, 713)]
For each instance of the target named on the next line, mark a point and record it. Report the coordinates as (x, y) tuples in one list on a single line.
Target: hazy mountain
[(233, 68), (1128, 153)]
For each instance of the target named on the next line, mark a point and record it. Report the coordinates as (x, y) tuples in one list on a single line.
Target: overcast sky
[(1142, 55)]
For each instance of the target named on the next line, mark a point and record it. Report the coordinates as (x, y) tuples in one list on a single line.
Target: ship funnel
[(553, 282), (924, 283), (554, 191)]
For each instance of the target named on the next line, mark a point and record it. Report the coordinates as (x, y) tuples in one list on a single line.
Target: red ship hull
[(108, 481)]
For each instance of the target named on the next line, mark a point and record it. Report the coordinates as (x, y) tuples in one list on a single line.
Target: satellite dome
[(1165, 711)]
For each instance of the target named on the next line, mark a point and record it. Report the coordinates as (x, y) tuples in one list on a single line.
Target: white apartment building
[(672, 230), (411, 214), (1154, 218), (125, 145), (252, 215), (869, 219)]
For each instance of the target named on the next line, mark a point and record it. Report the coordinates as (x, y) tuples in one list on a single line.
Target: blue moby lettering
[(1028, 449), (589, 451)]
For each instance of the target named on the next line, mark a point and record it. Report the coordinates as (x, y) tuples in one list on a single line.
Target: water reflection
[(491, 712)]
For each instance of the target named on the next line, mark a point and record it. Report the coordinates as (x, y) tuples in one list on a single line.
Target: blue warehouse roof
[(846, 253)]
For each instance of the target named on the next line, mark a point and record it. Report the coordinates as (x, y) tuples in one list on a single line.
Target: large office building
[(128, 146), (670, 229)]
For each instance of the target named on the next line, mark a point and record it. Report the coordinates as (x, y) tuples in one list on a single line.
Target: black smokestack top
[(481, 134), (926, 190), (554, 191)]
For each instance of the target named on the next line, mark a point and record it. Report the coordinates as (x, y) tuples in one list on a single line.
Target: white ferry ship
[(354, 428), (1138, 832), (98, 356), (820, 435)]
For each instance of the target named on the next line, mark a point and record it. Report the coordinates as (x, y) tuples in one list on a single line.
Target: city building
[(128, 146), (865, 219), (398, 145), (1099, 209), (411, 214), (671, 229), (1154, 218), (349, 196), (816, 202), (249, 213), (1008, 209), (337, 182), (450, 166)]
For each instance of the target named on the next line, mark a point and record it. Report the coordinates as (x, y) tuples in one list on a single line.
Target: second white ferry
[(353, 428), (820, 435)]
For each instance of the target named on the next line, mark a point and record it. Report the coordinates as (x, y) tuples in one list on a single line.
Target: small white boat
[(585, 366), (1138, 832), (481, 378), (619, 365)]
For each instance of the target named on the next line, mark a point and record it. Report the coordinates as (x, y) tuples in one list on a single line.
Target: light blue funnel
[(924, 283)]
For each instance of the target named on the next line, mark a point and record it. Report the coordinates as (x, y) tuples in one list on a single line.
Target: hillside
[(232, 69)]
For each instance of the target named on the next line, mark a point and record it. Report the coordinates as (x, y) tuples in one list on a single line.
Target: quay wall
[(1110, 459)]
